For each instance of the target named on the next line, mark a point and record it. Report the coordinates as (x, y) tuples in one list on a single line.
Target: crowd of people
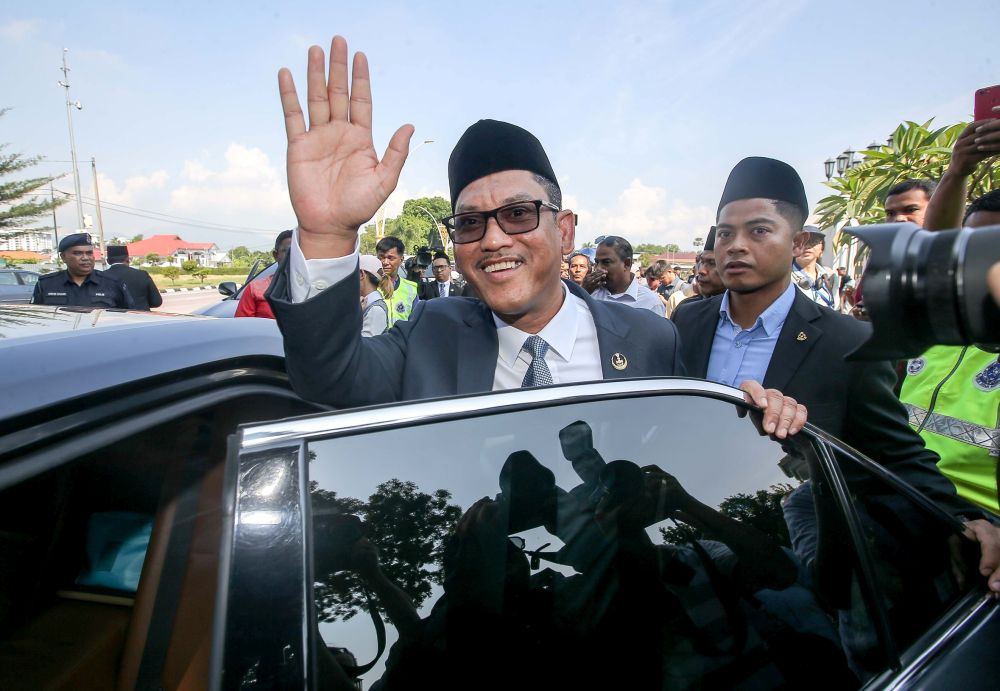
[(523, 306), (762, 313)]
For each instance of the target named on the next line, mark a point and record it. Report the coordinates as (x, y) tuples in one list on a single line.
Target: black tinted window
[(581, 544)]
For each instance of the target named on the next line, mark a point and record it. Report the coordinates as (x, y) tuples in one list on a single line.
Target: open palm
[(335, 180)]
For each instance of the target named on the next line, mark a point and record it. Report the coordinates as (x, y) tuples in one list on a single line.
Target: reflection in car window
[(581, 544), (28, 278)]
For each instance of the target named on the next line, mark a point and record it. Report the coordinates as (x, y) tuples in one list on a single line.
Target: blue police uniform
[(96, 290)]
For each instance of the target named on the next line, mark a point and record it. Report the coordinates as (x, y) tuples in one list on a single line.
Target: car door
[(640, 534)]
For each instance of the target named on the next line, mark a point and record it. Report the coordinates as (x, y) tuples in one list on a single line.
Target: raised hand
[(335, 179)]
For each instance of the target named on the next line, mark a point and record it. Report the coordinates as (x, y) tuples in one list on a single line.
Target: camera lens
[(926, 288)]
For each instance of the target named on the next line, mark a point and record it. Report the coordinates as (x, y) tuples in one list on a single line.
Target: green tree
[(135, 238), (409, 528), (413, 225), (201, 274), (153, 259), (172, 272), (20, 200), (917, 151), (189, 266)]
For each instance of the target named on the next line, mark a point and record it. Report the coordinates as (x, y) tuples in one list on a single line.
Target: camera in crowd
[(334, 537), (925, 288), (417, 267)]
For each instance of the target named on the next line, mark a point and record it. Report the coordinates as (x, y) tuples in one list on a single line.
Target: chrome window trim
[(940, 642), (308, 427)]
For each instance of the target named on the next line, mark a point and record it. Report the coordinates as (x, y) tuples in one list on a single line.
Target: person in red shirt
[(252, 302)]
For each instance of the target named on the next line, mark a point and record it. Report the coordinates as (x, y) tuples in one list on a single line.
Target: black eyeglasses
[(519, 217), (441, 267)]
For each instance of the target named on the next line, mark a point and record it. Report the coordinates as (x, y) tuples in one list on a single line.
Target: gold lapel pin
[(619, 361), (802, 336)]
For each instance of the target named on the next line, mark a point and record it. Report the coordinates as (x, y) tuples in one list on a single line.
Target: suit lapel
[(616, 353), (476, 349), (706, 321), (798, 336)]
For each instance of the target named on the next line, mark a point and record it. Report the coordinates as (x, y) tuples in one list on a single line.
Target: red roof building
[(173, 249)]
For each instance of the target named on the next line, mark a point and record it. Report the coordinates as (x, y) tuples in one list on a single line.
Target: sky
[(643, 107)]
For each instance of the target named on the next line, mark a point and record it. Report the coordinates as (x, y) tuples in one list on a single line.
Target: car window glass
[(921, 567), (29, 279), (532, 546), (7, 278)]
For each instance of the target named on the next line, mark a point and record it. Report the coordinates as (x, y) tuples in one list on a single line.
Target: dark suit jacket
[(140, 285), (429, 289), (454, 343), (850, 400)]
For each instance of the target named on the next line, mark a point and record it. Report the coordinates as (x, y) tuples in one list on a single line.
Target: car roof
[(52, 354)]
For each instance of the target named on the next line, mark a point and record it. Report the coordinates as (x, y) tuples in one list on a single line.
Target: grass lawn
[(184, 281)]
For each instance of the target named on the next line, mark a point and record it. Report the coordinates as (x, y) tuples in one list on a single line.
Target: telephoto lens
[(925, 288)]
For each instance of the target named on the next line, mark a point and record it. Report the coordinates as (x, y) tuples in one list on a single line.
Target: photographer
[(952, 393)]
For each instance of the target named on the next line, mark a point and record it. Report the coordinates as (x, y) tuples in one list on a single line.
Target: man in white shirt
[(509, 231), (612, 280)]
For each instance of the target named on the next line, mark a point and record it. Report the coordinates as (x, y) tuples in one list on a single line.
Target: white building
[(27, 240)]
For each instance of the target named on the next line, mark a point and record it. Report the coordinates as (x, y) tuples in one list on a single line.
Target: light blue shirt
[(739, 354)]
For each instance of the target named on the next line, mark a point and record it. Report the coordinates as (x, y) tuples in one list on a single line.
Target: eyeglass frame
[(449, 221)]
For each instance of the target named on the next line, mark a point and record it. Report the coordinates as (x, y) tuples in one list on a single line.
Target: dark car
[(227, 306), (17, 285), (171, 518)]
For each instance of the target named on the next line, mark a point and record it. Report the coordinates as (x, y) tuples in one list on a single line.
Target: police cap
[(75, 240)]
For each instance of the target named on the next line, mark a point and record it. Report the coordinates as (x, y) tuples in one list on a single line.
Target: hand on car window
[(335, 180)]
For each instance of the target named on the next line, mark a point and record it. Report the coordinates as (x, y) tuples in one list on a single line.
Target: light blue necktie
[(538, 373), (443, 290)]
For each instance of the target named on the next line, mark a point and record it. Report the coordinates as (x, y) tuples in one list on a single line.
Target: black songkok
[(710, 240), (491, 146), (75, 240), (117, 251), (765, 178)]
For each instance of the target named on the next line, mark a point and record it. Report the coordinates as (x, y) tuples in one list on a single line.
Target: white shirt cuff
[(307, 277)]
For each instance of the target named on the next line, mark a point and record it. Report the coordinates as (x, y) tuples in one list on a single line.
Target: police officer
[(79, 284)]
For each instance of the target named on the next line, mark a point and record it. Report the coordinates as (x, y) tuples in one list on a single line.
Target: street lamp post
[(72, 143), (436, 225)]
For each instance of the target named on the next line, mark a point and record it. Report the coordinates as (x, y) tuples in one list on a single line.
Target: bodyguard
[(79, 284), (140, 286)]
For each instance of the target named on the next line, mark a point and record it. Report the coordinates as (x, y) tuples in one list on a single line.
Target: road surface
[(188, 301)]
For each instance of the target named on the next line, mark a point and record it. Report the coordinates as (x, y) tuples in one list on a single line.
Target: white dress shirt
[(573, 354), (637, 295)]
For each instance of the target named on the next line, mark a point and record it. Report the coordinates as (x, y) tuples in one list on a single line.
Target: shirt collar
[(373, 297), (773, 318), (559, 333), (632, 290), (89, 278)]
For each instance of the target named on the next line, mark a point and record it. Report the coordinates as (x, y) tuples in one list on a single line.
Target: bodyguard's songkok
[(491, 146), (710, 240), (765, 178), (117, 252), (75, 240)]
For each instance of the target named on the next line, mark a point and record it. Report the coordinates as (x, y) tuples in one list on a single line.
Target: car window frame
[(300, 431)]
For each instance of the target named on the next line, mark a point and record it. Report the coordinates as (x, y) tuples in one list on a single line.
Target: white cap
[(370, 264)]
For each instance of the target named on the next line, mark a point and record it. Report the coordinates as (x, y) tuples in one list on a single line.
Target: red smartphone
[(987, 99)]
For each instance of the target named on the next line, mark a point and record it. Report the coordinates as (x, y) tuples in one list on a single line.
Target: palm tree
[(914, 151)]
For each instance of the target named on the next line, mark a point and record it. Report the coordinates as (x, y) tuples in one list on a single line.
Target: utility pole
[(100, 221), (55, 225), (72, 143)]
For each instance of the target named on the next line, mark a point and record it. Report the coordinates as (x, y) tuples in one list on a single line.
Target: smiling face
[(754, 246), (517, 276)]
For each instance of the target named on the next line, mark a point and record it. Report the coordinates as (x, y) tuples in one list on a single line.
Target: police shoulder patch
[(988, 379), (916, 366)]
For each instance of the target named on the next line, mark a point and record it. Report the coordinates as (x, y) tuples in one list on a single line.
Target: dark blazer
[(850, 400), (429, 289), (454, 343), (144, 292)]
